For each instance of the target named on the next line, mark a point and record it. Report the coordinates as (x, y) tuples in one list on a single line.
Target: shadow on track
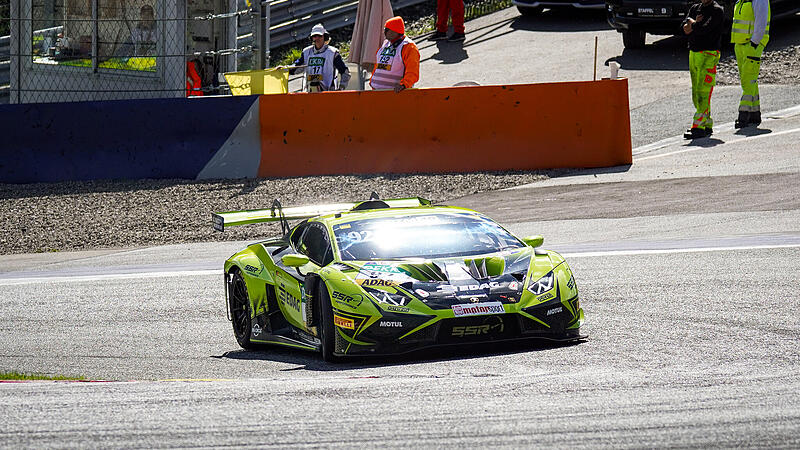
[(563, 19), (313, 361)]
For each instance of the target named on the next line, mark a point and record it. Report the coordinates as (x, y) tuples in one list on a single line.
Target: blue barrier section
[(122, 139)]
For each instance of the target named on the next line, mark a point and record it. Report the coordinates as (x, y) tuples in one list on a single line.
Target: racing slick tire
[(328, 337), (239, 305)]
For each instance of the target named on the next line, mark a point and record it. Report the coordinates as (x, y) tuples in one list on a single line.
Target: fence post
[(260, 35)]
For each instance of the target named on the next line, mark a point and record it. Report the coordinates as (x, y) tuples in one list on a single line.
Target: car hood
[(443, 282)]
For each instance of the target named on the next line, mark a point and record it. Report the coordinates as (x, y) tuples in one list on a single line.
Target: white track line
[(672, 250), (691, 149), (207, 272), (105, 277)]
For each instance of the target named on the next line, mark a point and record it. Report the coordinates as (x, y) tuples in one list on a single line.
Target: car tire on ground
[(239, 306), (633, 38), (529, 11), (328, 337)]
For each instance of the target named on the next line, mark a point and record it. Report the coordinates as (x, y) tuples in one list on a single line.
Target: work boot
[(743, 120), (709, 131), (456, 37), (438, 36), (694, 133), (755, 118)]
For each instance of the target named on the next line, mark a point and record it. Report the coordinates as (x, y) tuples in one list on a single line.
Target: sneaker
[(438, 36), (695, 133), (456, 37)]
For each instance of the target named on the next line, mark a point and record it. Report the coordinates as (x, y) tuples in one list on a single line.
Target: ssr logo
[(351, 301), (252, 269), (476, 330)]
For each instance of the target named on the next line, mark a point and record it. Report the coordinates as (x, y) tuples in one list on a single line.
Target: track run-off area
[(687, 262)]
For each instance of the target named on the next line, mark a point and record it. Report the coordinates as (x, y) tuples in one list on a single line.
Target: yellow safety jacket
[(744, 20)]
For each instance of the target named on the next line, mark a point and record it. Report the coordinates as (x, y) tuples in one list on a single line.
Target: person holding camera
[(321, 62)]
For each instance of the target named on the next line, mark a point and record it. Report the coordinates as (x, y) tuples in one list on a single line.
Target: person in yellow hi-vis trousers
[(750, 34), (703, 25)]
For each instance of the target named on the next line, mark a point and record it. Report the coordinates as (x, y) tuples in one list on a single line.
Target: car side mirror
[(534, 241), (294, 260)]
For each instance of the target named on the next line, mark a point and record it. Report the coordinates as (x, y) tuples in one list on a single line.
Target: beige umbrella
[(368, 33)]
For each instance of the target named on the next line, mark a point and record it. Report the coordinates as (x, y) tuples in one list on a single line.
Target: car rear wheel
[(529, 11), (240, 310), (633, 39), (328, 337)]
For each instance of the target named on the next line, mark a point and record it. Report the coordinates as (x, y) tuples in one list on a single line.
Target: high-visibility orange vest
[(194, 84)]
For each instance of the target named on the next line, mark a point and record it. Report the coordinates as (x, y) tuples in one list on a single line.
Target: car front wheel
[(633, 39), (328, 337), (529, 11)]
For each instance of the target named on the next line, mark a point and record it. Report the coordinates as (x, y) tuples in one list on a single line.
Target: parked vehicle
[(636, 18), (534, 7)]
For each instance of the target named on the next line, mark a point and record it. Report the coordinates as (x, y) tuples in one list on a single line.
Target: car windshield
[(426, 236)]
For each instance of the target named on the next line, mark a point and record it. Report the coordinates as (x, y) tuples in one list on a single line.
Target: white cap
[(318, 29)]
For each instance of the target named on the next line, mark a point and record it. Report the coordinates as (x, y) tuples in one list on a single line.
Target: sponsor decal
[(288, 299), (353, 301), (376, 282), (252, 269), (474, 299), (343, 322), (256, 330), (390, 299), (386, 323), (396, 308), (422, 293), (513, 286), (552, 311), (544, 297), (450, 289), (475, 330), (382, 268), (478, 309)]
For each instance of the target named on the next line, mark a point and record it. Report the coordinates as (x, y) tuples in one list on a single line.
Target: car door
[(310, 239)]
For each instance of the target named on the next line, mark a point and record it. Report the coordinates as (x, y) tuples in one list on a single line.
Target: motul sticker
[(343, 322), (478, 309)]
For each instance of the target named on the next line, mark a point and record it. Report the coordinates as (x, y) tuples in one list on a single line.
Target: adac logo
[(376, 282)]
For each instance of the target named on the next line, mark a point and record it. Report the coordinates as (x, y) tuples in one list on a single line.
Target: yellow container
[(257, 82)]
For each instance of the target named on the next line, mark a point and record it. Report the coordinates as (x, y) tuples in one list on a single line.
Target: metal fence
[(104, 49)]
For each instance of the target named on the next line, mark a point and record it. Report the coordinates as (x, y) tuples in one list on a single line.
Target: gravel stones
[(123, 214), (780, 66)]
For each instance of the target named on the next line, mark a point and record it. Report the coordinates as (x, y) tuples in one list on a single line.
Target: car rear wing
[(276, 213)]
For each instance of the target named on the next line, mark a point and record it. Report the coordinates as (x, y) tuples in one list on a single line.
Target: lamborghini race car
[(392, 276)]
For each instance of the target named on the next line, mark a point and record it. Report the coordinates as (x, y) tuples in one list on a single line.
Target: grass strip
[(17, 376)]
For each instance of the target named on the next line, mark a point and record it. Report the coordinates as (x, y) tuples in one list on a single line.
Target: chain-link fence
[(71, 50)]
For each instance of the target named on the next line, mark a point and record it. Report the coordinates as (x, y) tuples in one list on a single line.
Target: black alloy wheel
[(240, 310)]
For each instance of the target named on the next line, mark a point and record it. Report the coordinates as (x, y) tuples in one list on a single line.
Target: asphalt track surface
[(687, 262)]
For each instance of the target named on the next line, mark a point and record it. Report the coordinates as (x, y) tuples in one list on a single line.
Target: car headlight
[(543, 284)]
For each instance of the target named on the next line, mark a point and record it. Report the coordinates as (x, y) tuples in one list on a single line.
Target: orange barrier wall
[(457, 129)]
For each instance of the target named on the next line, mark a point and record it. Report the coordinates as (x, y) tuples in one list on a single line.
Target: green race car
[(392, 276)]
